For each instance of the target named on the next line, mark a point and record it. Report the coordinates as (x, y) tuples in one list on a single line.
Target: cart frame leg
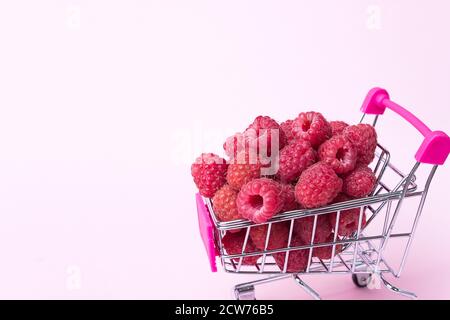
[(307, 288), (246, 290), (393, 288)]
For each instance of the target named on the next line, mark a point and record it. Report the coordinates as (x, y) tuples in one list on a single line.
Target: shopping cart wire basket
[(362, 254)]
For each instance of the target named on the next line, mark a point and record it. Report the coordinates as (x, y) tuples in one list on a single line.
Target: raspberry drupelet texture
[(337, 127), (267, 133), (234, 145), (360, 182), (289, 202), (233, 243), (294, 159), (209, 173), (258, 138), (278, 237), (241, 170), (304, 228), (286, 127), (224, 204), (311, 126), (348, 219), (260, 199), (339, 153), (317, 186), (296, 260), (364, 139)]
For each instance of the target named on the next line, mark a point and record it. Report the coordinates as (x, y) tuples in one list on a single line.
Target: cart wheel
[(361, 280), (244, 293)]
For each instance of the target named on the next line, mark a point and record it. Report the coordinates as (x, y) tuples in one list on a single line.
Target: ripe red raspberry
[(287, 129), (259, 200), (224, 204), (325, 253), (339, 153), (311, 126), (235, 145), (289, 202), (294, 159), (364, 139), (348, 219), (233, 243), (262, 130), (241, 170), (297, 260), (360, 182), (304, 228), (278, 238), (209, 173), (317, 186), (337, 127)]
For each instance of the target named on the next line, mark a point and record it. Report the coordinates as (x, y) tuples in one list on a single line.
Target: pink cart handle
[(436, 145), (206, 231)]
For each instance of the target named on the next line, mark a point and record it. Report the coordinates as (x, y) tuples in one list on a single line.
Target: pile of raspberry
[(317, 163)]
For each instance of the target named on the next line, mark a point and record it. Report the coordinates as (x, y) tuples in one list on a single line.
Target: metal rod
[(396, 212), (263, 280), (323, 264), (269, 227), (375, 121), (307, 288), (312, 242), (378, 162), (328, 209), (361, 211), (417, 218), (244, 245), (221, 247), (326, 244), (286, 258), (404, 293), (362, 118), (343, 262), (333, 250)]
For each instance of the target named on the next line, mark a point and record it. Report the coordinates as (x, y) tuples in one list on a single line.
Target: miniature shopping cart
[(363, 254)]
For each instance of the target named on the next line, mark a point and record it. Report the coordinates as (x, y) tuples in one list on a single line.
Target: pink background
[(104, 104)]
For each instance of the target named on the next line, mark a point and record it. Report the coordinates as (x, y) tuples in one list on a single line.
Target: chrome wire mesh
[(361, 252)]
